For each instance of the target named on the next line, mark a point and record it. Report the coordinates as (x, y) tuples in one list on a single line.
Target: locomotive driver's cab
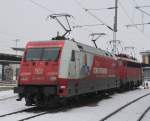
[(39, 71)]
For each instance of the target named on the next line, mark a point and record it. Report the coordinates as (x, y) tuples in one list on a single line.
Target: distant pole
[(142, 17), (16, 42), (114, 50)]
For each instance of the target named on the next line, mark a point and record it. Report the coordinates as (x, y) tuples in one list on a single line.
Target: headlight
[(63, 87)]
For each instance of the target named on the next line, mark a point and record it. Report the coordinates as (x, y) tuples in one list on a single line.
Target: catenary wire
[(91, 14), (132, 22), (41, 6)]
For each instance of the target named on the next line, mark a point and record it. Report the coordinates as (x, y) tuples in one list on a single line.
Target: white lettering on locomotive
[(100, 70)]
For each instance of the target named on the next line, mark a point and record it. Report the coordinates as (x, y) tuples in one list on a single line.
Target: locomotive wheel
[(28, 100)]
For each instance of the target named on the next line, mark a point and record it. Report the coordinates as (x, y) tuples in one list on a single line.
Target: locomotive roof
[(126, 57), (81, 46), (94, 50)]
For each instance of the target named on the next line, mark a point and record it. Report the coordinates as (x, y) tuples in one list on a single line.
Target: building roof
[(9, 58), (147, 52), (18, 49)]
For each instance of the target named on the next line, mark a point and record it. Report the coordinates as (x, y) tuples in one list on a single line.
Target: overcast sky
[(25, 20)]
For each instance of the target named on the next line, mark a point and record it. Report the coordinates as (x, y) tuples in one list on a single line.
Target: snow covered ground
[(7, 94), (84, 113), (8, 102)]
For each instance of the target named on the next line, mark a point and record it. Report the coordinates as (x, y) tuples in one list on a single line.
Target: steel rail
[(143, 114), (30, 117), (16, 112), (122, 107), (46, 112)]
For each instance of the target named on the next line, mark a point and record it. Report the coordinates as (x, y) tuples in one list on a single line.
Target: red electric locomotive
[(59, 69), (130, 71)]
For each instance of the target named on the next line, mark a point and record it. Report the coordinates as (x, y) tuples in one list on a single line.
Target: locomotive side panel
[(130, 73), (105, 70), (96, 73), (134, 73), (122, 72), (65, 61)]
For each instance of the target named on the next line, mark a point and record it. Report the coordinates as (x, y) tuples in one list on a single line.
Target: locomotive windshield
[(45, 54)]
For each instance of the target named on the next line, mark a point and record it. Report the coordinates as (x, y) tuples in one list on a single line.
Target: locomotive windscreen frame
[(45, 54)]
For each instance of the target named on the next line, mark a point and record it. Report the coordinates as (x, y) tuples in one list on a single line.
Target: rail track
[(143, 114), (16, 112), (76, 105), (124, 106), (53, 110), (40, 112), (30, 117)]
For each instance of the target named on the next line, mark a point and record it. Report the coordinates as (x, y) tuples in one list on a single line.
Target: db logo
[(38, 71)]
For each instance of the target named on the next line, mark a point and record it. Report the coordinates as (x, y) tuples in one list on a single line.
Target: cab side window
[(73, 55)]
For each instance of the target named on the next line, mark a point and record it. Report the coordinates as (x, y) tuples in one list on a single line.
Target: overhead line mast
[(16, 42), (114, 29), (114, 41)]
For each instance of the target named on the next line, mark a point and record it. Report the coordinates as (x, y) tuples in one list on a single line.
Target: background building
[(9, 65), (146, 57), (146, 64)]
